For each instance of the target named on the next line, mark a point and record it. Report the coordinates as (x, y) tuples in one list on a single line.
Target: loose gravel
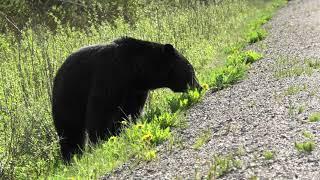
[(267, 111)]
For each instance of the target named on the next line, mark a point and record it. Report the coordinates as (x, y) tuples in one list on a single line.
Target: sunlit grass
[(206, 35), (306, 146), (202, 139), (222, 165), (315, 117), (268, 155)]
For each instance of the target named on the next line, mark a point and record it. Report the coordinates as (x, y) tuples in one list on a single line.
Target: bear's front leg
[(133, 104)]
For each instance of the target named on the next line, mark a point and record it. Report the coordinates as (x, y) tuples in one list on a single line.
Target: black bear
[(97, 86)]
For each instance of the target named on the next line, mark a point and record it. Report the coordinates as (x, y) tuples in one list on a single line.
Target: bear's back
[(75, 74)]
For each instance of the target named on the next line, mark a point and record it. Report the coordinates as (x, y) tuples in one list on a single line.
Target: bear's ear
[(168, 49)]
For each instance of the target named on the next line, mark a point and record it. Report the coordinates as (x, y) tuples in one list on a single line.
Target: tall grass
[(205, 34)]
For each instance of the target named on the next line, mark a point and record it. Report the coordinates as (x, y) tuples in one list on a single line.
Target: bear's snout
[(196, 85)]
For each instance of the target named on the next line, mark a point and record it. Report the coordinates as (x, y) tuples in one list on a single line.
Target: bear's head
[(181, 74), (169, 68)]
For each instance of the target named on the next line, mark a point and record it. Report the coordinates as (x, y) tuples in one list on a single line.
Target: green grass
[(315, 117), (293, 67), (268, 155), (295, 89), (254, 177), (202, 139), (222, 165), (308, 145), (211, 37), (291, 109), (308, 135), (313, 63), (296, 70), (301, 109), (305, 147), (257, 35)]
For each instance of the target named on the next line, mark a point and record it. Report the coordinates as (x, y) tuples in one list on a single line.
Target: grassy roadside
[(210, 36)]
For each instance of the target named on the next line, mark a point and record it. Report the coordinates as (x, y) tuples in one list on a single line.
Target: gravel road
[(267, 111)]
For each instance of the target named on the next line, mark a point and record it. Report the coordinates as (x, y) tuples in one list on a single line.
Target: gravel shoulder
[(267, 111)]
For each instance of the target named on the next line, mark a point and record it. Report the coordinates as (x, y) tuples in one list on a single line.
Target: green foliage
[(313, 63), (222, 165), (83, 13), (28, 63), (292, 67), (150, 155), (308, 135), (202, 139), (147, 133), (80, 14), (252, 56), (306, 146), (315, 117), (257, 35), (235, 68), (184, 100), (300, 109), (292, 90), (268, 155), (166, 119), (254, 178), (245, 57)]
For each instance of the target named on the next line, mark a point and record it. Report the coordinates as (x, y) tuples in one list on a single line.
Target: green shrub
[(306, 146), (315, 117), (268, 155)]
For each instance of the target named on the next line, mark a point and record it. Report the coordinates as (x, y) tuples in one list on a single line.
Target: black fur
[(98, 86)]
